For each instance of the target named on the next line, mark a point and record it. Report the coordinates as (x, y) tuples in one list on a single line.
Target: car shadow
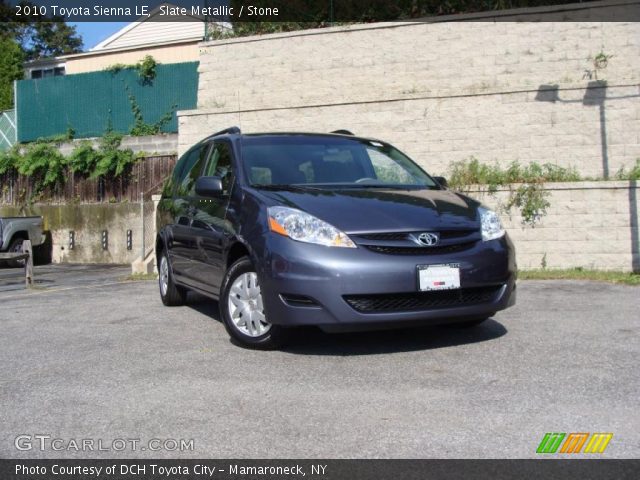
[(313, 341)]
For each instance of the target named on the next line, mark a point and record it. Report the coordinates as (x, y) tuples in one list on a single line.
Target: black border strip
[(327, 12), (547, 469)]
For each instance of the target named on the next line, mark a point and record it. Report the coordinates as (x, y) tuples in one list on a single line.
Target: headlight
[(303, 227), (491, 226)]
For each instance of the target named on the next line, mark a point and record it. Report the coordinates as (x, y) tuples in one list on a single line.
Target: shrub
[(44, 163), (525, 183)]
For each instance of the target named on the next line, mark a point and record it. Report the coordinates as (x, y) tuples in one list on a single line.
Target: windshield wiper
[(283, 186), (390, 186)]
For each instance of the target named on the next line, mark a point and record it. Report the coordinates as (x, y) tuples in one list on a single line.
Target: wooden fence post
[(28, 262)]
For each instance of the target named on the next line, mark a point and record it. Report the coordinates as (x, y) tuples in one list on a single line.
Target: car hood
[(377, 210)]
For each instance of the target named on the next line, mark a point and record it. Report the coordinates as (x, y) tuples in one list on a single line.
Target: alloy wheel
[(245, 306), (164, 275)]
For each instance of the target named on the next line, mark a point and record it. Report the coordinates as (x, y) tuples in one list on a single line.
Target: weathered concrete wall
[(589, 224), (439, 91), (165, 144), (88, 222)]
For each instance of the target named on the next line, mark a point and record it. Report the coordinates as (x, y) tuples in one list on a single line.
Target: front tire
[(242, 309), (171, 294)]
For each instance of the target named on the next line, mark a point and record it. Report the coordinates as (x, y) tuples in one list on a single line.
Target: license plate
[(438, 277)]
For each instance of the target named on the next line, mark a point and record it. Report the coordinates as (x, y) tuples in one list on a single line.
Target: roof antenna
[(342, 132)]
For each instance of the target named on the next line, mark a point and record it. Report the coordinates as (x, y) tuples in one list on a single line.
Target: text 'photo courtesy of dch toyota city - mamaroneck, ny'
[(334, 239)]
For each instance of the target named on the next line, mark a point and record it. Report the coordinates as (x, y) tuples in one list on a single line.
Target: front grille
[(394, 236), (406, 302), (386, 236), (439, 250)]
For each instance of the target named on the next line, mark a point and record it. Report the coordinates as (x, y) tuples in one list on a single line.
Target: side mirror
[(442, 181), (209, 186)]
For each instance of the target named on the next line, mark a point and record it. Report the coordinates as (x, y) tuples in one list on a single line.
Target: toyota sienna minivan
[(331, 230)]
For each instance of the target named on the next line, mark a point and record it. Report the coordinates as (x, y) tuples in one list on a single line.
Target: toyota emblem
[(428, 239)]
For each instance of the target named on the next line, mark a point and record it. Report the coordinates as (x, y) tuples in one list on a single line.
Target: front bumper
[(295, 271)]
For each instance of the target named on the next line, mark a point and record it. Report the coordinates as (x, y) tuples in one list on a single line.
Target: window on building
[(47, 72)]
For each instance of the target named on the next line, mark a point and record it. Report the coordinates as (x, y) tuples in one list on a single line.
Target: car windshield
[(326, 161)]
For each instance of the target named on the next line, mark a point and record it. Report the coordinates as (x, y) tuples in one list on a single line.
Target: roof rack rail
[(230, 130), (342, 132)]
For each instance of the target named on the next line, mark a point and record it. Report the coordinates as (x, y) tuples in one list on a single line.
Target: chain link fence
[(7, 129), (147, 226)]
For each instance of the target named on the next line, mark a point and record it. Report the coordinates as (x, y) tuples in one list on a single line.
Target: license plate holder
[(438, 277)]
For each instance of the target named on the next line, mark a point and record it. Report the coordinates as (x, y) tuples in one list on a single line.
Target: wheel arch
[(236, 251), (23, 234), (160, 244)]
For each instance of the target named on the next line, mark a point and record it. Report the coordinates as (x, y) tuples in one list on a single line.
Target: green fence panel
[(89, 103)]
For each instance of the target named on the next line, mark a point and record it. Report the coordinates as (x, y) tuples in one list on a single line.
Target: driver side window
[(219, 165), (185, 184)]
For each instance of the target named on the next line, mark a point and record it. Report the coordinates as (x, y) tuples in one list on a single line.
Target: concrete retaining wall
[(165, 144), (88, 222)]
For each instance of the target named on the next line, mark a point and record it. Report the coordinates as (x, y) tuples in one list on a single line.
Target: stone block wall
[(497, 90), (593, 225), (448, 89)]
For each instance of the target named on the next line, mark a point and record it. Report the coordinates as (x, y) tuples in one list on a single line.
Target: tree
[(40, 38), (11, 59), (48, 39)]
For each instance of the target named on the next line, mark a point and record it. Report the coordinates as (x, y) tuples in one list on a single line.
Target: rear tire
[(171, 294), (16, 247), (242, 310)]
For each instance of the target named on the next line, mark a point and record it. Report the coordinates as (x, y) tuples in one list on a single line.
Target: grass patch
[(137, 277), (626, 278)]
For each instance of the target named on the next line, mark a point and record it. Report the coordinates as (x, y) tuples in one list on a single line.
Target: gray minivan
[(331, 230)]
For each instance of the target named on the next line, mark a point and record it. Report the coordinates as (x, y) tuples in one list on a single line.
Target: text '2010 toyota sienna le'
[(332, 230)]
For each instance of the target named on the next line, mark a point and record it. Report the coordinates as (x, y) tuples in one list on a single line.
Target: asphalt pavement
[(87, 356)]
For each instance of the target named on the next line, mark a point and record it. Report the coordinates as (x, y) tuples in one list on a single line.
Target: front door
[(209, 223), (183, 240)]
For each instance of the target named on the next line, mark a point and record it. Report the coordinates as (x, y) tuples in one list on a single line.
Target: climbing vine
[(140, 127), (146, 69)]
